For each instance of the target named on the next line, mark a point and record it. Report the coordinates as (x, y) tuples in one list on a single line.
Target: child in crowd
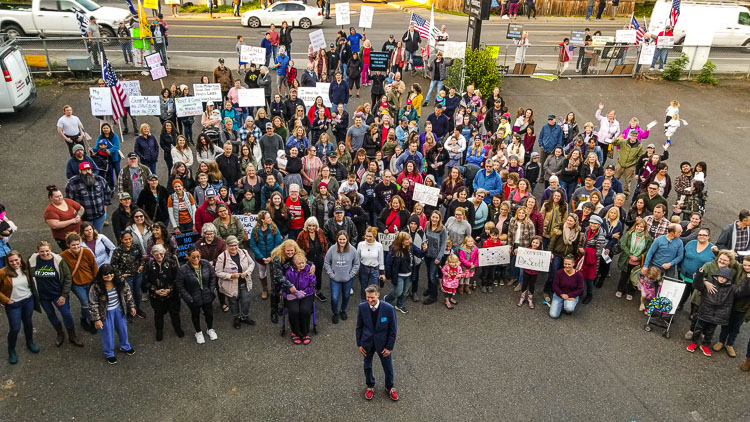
[(368, 191), (452, 274), (468, 253), (671, 127), (238, 48), (270, 187), (532, 169), (419, 212), (648, 284), (440, 99), (502, 270), (529, 140), (247, 206), (488, 226), (111, 300), (530, 276), (672, 110), (489, 272), (350, 185)]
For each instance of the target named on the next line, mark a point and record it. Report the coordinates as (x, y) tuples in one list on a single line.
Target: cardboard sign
[(308, 95), (248, 222), (144, 106), (625, 36), (101, 101), (386, 240), (342, 14), (250, 54), (514, 31), (365, 16), (647, 54), (577, 37), (665, 42), (131, 89), (494, 51), (533, 259), (153, 60), (379, 61), (207, 92), (499, 255), (151, 4), (318, 40), (455, 50), (601, 41), (252, 97), (185, 241), (672, 290), (426, 194), (188, 106), (158, 72), (324, 88)]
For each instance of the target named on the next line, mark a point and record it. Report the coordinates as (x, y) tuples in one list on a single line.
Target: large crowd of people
[(332, 190)]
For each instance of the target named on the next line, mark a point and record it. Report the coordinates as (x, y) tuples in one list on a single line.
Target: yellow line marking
[(202, 36)]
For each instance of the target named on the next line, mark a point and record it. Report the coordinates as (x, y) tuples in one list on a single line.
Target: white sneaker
[(661, 70), (618, 294), (651, 69), (628, 297), (199, 337), (212, 334), (351, 291)]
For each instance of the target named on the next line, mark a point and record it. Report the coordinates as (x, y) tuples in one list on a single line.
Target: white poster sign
[(132, 89), (101, 101), (252, 97), (365, 16), (188, 106), (626, 36), (308, 95), (250, 54), (647, 54), (454, 49), (153, 60), (665, 42), (323, 89), (342, 14), (248, 222), (318, 40), (158, 72), (144, 106), (386, 239), (533, 259), (207, 92), (498, 255), (672, 290), (599, 41), (426, 194)]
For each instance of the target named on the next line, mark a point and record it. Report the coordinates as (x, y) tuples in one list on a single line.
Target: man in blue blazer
[(376, 333)]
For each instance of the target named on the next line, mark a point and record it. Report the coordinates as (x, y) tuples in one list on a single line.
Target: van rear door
[(17, 76)]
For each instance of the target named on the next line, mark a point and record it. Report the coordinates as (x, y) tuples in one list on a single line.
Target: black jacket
[(309, 79), (285, 36), (290, 107), (168, 140), (230, 168), (251, 78), (120, 221), (158, 277), (715, 308), (344, 52), (411, 42), (354, 67), (155, 208), (378, 79), (333, 60), (403, 217), (192, 292)]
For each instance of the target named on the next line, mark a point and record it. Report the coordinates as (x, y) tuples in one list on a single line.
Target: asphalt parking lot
[(486, 360)]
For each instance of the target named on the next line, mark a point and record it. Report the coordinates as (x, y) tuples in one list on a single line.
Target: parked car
[(17, 88), (729, 22), (295, 13), (20, 18)]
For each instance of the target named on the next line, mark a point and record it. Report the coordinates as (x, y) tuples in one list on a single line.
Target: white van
[(17, 89), (729, 21)]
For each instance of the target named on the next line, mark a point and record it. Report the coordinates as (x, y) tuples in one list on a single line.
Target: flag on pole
[(143, 22), (118, 93), (639, 30), (424, 28), (674, 13), (433, 30), (83, 23), (131, 7)]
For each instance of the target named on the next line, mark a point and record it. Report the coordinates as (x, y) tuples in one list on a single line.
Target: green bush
[(480, 71), (676, 67), (707, 74), (202, 8)]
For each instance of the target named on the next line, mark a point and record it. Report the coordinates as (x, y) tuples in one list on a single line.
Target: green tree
[(480, 70), (707, 74)]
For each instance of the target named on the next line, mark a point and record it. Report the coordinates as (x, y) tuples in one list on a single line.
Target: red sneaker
[(369, 392), (691, 347), (706, 351), (393, 394)]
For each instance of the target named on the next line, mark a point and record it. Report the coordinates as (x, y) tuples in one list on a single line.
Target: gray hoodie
[(341, 266), (553, 165), (435, 242)]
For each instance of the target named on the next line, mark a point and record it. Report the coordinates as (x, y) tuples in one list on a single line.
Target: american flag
[(131, 7), (674, 13), (83, 23), (639, 31), (423, 27), (118, 94)]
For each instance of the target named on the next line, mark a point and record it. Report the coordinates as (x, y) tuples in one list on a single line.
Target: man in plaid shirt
[(92, 192), (657, 224)]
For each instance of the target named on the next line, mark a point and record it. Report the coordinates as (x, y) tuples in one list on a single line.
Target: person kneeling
[(568, 286)]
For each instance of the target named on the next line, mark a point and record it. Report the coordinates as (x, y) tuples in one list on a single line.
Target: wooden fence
[(549, 7)]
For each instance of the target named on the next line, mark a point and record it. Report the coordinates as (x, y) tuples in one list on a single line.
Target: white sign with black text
[(342, 14), (188, 106), (426, 194), (144, 106), (254, 97), (207, 92), (101, 101), (533, 259), (498, 255)]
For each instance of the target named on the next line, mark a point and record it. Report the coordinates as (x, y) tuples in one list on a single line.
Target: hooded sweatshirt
[(341, 266)]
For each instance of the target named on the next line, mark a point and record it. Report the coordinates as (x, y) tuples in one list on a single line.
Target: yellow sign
[(494, 51), (172, 1), (35, 60), (151, 4)]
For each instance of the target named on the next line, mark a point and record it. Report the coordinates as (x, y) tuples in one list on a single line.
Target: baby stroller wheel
[(647, 328), (666, 334)]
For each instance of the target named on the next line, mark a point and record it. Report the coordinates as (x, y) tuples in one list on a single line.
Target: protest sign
[(494, 51), (248, 222), (454, 50), (131, 89), (342, 14), (533, 259), (185, 241), (158, 72), (151, 4), (172, 2), (514, 31), (666, 42), (153, 60), (144, 106), (672, 290), (386, 239), (207, 92), (426, 194), (250, 54), (188, 106), (577, 37), (308, 95), (379, 60), (101, 101), (318, 40), (498, 255), (323, 89), (365, 16), (647, 54), (600, 41), (254, 97), (625, 36)]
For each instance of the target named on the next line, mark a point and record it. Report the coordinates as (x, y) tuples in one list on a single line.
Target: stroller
[(662, 309), (418, 63)]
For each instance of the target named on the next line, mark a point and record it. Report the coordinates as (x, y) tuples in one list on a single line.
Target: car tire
[(108, 32), (13, 31), (746, 47), (253, 22), (305, 23)]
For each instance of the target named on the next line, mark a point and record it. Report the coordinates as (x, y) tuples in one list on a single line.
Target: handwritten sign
[(498, 255), (625, 36), (101, 101), (665, 42), (342, 14), (207, 92), (308, 95), (153, 60), (454, 49), (672, 290), (379, 60), (185, 241), (144, 106), (426, 194), (188, 106), (600, 41), (647, 54), (249, 54), (323, 89), (318, 40), (577, 37), (514, 31), (533, 259), (254, 97), (131, 89), (158, 72), (365, 16), (386, 239), (248, 222), (494, 51)]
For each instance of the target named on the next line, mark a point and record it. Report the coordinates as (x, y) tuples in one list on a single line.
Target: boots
[(60, 335), (73, 338), (87, 326), (523, 298), (467, 289), (264, 283), (531, 301), (746, 366), (12, 356)]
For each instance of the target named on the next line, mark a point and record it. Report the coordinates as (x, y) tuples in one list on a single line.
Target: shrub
[(481, 71), (707, 74), (676, 67)]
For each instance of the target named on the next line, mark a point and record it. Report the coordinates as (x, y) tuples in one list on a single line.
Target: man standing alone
[(376, 333)]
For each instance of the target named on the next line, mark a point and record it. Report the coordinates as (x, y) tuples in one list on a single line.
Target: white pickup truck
[(20, 18)]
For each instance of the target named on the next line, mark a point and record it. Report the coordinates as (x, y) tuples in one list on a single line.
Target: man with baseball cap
[(79, 156), (550, 137), (583, 193), (338, 223), (223, 76), (92, 192), (661, 52), (208, 211), (134, 176), (270, 143), (628, 159)]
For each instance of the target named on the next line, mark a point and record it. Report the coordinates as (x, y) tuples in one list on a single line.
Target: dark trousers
[(707, 329), (208, 314), (77, 139), (433, 270), (162, 307), (415, 278), (556, 264), (488, 275), (530, 9), (300, 311), (624, 285), (387, 363), (729, 332), (20, 313), (602, 5), (529, 280), (603, 269)]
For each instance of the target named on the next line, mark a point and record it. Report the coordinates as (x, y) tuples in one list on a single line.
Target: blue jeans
[(437, 86), (275, 51), (400, 290), (589, 10), (82, 293), (342, 69), (339, 289), (409, 64), (49, 309), (17, 313), (432, 276), (152, 166), (134, 282), (114, 322), (127, 52), (168, 160), (367, 276), (661, 56), (559, 303), (98, 222), (387, 363)]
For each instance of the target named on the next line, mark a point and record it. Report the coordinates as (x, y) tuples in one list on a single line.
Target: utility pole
[(478, 10)]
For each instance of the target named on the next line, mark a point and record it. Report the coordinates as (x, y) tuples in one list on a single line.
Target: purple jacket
[(302, 280), (642, 134)]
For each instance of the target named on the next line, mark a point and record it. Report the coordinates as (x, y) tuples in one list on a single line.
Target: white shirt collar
[(376, 305)]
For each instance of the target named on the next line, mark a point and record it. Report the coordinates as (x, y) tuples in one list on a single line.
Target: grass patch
[(202, 8), (44, 81), (642, 10)]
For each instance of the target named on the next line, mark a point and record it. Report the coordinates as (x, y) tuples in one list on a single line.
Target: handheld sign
[(577, 37), (151, 4), (665, 42), (498, 255), (386, 239), (308, 95), (249, 54), (131, 89), (184, 242), (188, 106), (158, 72), (514, 31), (365, 16), (252, 97), (426, 194), (625, 36), (533, 259), (207, 92), (144, 106), (153, 60), (647, 54), (248, 222), (379, 60), (323, 89), (601, 41), (101, 101), (318, 40), (342, 14), (454, 49)]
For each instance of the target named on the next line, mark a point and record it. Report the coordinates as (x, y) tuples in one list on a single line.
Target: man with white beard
[(92, 192)]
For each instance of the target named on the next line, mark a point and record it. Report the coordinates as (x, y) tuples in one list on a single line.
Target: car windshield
[(88, 5)]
